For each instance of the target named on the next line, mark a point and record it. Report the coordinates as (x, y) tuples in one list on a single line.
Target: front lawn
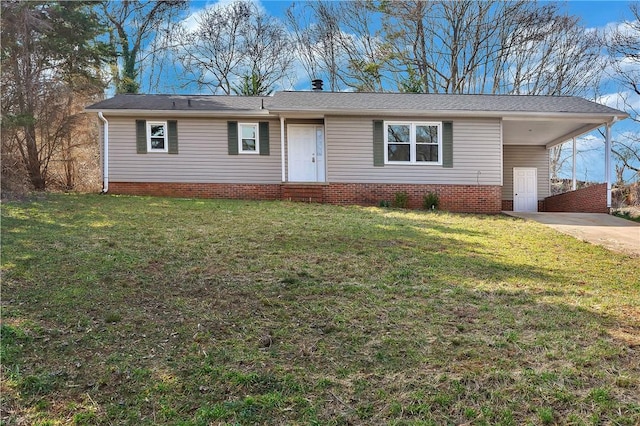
[(132, 310)]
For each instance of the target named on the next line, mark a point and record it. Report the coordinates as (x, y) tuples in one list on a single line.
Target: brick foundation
[(592, 199), (455, 198), (199, 190)]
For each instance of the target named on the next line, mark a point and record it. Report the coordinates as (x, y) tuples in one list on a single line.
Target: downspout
[(105, 174), (282, 147), (607, 159)]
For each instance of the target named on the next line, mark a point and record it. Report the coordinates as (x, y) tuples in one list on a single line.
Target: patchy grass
[(128, 310)]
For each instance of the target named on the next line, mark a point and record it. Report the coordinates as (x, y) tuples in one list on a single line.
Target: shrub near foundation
[(430, 201), (401, 200)]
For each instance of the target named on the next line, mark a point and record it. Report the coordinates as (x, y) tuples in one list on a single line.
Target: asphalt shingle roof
[(357, 102), (180, 102), (294, 101)]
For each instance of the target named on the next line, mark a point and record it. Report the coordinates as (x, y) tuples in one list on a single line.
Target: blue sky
[(599, 13)]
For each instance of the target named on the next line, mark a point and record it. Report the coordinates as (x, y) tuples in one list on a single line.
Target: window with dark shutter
[(232, 135), (447, 144), (378, 143), (172, 133), (141, 136), (156, 136), (264, 137)]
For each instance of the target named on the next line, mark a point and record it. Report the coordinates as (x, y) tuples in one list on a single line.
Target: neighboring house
[(479, 153)]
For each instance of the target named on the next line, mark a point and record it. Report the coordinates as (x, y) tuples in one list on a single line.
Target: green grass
[(132, 310)]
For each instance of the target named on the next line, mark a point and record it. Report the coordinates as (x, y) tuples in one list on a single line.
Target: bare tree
[(139, 35), (304, 40), (623, 47), (233, 42), (487, 47), (363, 47), (319, 39), (267, 50), (444, 47), (557, 57), (336, 41)]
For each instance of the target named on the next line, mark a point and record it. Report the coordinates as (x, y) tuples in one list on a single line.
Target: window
[(413, 142), (248, 140), (157, 136)]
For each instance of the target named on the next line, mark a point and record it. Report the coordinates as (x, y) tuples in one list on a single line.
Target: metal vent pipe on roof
[(317, 85)]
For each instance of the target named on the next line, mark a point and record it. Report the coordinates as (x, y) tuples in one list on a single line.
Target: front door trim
[(525, 189), (306, 159)]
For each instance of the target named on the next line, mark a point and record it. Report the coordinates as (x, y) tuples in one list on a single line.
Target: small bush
[(401, 200), (384, 203), (430, 201)]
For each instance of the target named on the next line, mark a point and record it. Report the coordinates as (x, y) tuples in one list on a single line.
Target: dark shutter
[(232, 133), (172, 133), (263, 131), (141, 136), (447, 144), (378, 143)]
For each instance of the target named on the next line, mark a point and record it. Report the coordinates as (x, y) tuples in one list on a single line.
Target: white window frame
[(257, 129), (166, 136), (412, 142)]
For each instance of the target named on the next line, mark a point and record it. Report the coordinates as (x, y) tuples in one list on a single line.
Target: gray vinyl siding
[(526, 156), (203, 154), (476, 148)]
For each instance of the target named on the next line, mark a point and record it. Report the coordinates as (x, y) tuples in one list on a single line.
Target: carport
[(527, 167)]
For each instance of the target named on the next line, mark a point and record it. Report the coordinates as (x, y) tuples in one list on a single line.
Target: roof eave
[(180, 113), (506, 115)]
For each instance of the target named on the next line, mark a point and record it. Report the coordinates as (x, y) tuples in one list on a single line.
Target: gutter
[(105, 174), (589, 117)]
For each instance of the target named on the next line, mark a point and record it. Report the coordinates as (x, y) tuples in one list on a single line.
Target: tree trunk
[(32, 161)]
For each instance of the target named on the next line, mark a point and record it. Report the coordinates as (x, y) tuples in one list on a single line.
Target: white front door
[(525, 189), (306, 153)]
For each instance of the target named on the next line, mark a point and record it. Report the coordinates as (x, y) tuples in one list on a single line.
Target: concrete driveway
[(612, 232)]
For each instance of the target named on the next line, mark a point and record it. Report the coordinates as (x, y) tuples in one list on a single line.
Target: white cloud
[(621, 100), (190, 22)]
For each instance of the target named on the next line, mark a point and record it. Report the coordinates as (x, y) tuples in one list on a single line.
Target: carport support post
[(573, 166), (607, 160)]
